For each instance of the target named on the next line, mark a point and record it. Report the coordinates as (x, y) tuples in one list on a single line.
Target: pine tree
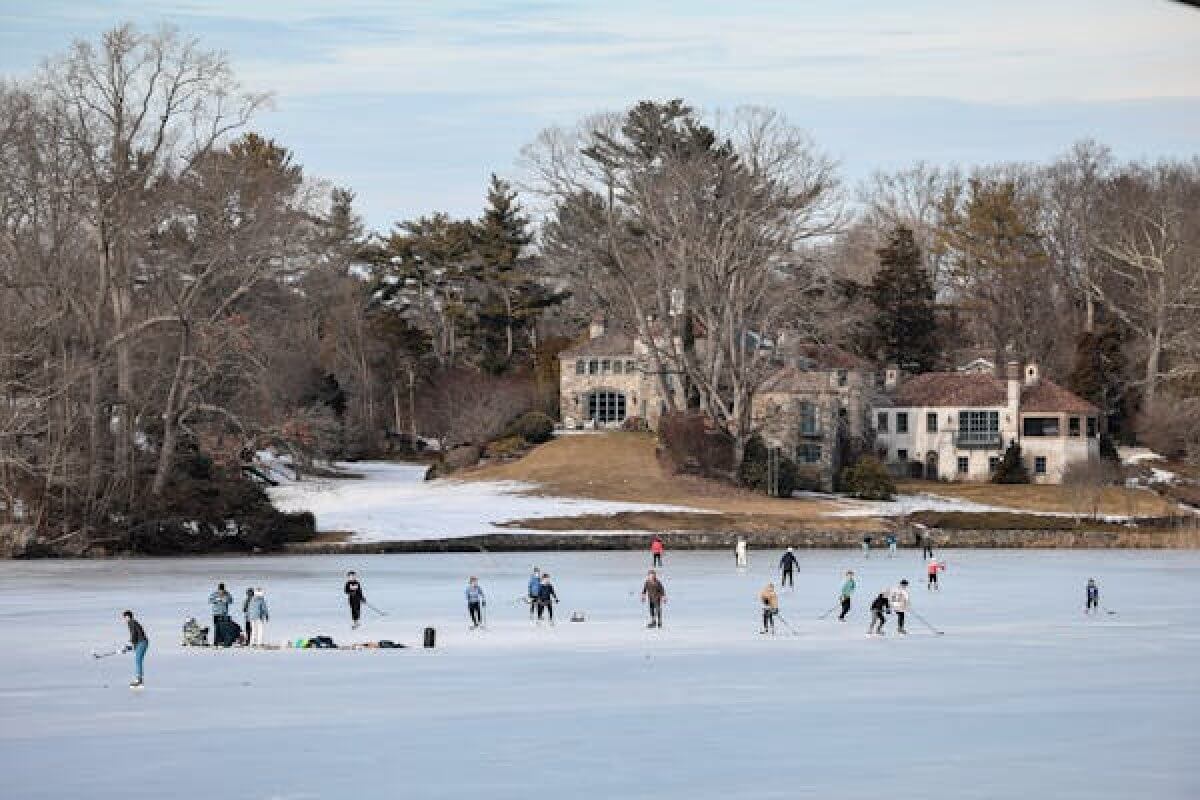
[(1098, 375), (1011, 468), (905, 324)]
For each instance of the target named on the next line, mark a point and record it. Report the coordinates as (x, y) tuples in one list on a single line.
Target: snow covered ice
[(1023, 697)]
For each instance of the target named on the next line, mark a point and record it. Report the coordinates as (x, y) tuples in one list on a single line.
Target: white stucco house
[(956, 425)]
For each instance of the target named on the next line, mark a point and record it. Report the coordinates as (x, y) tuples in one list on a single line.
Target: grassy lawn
[(1113, 500), (623, 466)]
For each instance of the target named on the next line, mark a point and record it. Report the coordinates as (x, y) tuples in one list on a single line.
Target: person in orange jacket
[(656, 551)]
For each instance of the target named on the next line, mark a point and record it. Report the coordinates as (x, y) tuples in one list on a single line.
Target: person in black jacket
[(879, 607), (354, 593), (546, 598), (138, 643), (788, 563)]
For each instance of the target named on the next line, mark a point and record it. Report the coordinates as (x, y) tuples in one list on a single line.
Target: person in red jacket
[(932, 571), (656, 551)]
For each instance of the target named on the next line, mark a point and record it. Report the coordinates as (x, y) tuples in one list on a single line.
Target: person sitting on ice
[(770, 607)]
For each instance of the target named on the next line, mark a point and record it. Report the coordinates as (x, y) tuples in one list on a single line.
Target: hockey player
[(770, 607), (654, 594), (476, 600), (898, 601), (848, 587), (138, 643), (656, 551), (866, 546), (534, 588), (354, 594), (739, 552), (879, 607), (546, 598), (931, 571), (1093, 596), (890, 540), (788, 563)]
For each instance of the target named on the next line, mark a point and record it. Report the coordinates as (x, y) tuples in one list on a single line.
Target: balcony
[(978, 440)]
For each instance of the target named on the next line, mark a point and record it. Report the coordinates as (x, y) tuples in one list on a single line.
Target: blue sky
[(412, 105)]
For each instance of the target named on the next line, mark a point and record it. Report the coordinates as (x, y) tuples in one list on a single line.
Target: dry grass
[(1031, 497), (685, 521), (623, 466)]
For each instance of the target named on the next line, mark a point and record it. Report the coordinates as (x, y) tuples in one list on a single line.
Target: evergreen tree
[(1098, 375), (1011, 468), (905, 325)]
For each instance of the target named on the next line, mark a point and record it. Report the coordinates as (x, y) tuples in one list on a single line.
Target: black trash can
[(430, 637)]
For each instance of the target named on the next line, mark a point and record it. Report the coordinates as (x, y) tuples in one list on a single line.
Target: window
[(964, 465), (881, 422), (1039, 465), (902, 455), (1073, 426), (605, 366), (581, 367), (1040, 426), (808, 419), (618, 366), (993, 462), (901, 422), (979, 427), (843, 376), (931, 422), (631, 366), (808, 453), (606, 406), (1091, 427), (593, 367)]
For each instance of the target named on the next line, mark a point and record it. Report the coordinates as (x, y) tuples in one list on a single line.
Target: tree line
[(177, 288)]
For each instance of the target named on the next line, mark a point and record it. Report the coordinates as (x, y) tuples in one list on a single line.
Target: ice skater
[(739, 553), (890, 540), (476, 600), (246, 613), (356, 598), (866, 546), (654, 594), (1093, 596), (138, 643), (926, 542), (931, 573), (848, 587), (898, 602), (786, 564), (257, 614), (219, 601), (546, 598), (770, 607), (532, 590), (656, 552), (879, 607)]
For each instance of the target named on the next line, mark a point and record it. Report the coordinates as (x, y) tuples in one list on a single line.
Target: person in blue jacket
[(534, 588), (219, 601), (546, 598), (1093, 596), (476, 600)]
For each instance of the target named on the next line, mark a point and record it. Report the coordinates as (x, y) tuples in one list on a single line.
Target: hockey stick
[(376, 610), (787, 624), (1107, 611), (830, 611), (926, 623), (105, 654)]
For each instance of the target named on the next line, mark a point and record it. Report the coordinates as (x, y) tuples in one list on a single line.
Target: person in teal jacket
[(848, 587)]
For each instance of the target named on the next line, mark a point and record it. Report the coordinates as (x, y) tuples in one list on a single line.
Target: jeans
[(546, 606), (655, 613), (900, 621), (769, 619), (657, 560), (787, 579), (355, 610), (476, 612), (139, 656), (845, 608), (877, 621), (249, 630)]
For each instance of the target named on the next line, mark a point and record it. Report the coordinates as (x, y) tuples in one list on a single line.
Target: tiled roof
[(968, 390), (613, 343)]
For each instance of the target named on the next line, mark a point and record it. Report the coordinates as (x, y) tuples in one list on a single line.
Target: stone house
[(956, 425), (813, 407), (607, 379)]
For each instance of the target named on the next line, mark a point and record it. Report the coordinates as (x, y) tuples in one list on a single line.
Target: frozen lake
[(1023, 696)]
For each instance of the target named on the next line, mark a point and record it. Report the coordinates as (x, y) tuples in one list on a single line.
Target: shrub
[(755, 469), (692, 447), (1011, 468), (506, 446), (532, 426), (869, 480), (635, 424)]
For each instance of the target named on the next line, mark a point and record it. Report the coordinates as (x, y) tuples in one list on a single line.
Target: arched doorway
[(931, 465), (606, 407)]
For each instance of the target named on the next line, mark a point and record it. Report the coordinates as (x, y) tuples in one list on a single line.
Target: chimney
[(1013, 373), (1033, 374), (891, 377), (598, 326)]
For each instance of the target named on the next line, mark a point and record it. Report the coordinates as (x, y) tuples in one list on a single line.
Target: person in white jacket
[(899, 601), (739, 552)]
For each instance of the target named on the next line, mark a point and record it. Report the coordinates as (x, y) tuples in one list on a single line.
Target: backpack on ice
[(193, 634)]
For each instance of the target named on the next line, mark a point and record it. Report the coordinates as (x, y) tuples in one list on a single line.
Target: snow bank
[(393, 502)]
